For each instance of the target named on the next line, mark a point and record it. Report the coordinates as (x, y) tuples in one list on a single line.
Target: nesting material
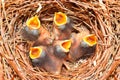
[(84, 17)]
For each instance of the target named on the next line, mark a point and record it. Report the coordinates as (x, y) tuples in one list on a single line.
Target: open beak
[(63, 46), (31, 31), (60, 18), (66, 45), (35, 52), (91, 39), (33, 22)]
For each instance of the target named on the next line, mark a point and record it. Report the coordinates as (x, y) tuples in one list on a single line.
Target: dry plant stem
[(61, 5), (112, 66), (104, 58), (82, 4), (101, 24), (1, 69), (111, 69), (7, 75), (13, 57), (97, 32), (3, 6), (1, 65), (12, 63), (10, 59), (117, 57)]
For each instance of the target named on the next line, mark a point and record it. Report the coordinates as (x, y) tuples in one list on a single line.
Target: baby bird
[(40, 56), (31, 30), (82, 46), (63, 27), (61, 48), (35, 32)]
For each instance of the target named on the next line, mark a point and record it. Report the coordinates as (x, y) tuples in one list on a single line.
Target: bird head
[(90, 40), (31, 31), (62, 48), (37, 55), (33, 22), (60, 19), (66, 45), (83, 45), (35, 52)]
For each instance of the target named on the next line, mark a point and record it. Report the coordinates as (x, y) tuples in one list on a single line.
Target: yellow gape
[(60, 18), (35, 52), (90, 39), (33, 22), (66, 45)]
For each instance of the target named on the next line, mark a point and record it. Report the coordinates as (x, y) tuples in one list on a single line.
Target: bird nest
[(101, 17)]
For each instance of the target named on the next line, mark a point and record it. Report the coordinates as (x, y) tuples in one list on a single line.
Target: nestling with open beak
[(61, 48), (63, 27), (31, 30), (82, 46), (42, 57), (35, 32)]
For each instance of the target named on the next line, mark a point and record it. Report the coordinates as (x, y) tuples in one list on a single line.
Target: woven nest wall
[(99, 17)]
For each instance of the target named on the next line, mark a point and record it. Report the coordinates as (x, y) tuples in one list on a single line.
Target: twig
[(12, 63), (3, 6), (111, 69), (1, 70)]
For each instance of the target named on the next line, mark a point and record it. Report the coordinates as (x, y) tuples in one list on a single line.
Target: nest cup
[(99, 18)]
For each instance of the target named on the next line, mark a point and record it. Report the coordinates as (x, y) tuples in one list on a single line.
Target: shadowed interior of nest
[(103, 19)]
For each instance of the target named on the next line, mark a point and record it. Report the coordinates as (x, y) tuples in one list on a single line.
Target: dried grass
[(103, 19)]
